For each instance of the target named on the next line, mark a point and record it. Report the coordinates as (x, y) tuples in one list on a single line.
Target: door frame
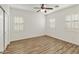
[(3, 28)]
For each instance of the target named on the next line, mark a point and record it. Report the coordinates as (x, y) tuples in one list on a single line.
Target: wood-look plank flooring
[(42, 45)]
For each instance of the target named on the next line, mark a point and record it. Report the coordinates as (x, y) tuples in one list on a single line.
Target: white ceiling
[(30, 7)]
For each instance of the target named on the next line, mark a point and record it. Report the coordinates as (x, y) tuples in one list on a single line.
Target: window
[(72, 22), (52, 23), (18, 23)]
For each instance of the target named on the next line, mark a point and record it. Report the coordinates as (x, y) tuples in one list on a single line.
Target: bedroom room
[(39, 28)]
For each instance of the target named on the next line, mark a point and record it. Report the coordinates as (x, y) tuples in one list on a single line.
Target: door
[(1, 31)]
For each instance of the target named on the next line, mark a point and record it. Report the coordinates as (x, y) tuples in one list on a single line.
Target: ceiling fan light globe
[(42, 10), (44, 6)]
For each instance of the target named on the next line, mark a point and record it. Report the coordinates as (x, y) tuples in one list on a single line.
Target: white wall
[(60, 31), (34, 24)]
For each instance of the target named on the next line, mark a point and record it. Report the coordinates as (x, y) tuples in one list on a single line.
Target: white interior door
[(1, 30)]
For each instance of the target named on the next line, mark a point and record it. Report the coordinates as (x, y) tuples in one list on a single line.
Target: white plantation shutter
[(18, 23), (72, 22)]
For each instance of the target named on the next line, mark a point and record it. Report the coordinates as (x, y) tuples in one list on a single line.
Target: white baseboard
[(55, 36), (29, 36), (62, 39)]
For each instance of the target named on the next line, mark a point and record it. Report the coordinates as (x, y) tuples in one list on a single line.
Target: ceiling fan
[(43, 8)]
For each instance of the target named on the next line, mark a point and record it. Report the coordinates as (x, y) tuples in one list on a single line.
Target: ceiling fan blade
[(38, 10), (56, 6), (48, 8)]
